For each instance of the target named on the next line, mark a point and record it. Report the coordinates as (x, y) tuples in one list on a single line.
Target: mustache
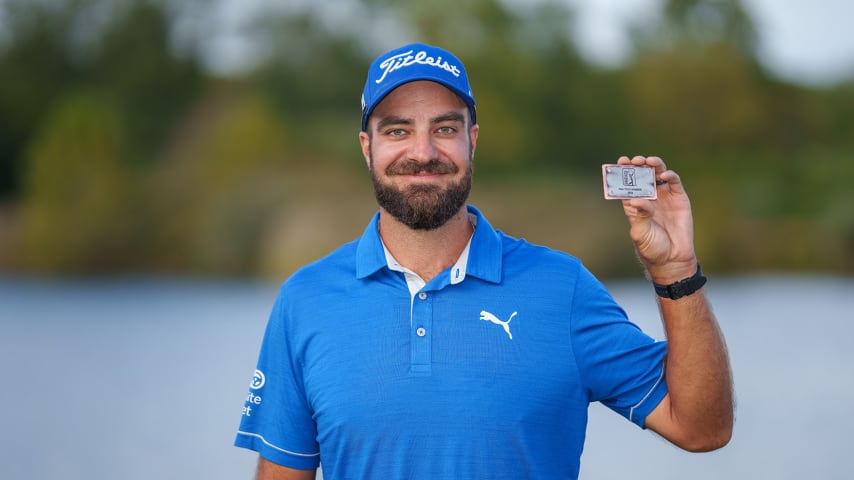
[(411, 167)]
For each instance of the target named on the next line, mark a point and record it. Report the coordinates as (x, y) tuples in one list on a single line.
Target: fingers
[(663, 176), (637, 209), (640, 160), (669, 179)]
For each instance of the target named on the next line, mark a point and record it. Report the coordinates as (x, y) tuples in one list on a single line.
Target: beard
[(422, 207)]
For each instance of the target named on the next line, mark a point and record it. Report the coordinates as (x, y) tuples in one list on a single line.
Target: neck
[(426, 252)]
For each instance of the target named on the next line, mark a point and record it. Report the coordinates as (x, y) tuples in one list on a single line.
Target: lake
[(142, 378)]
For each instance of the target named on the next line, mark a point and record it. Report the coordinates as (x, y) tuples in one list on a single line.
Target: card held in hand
[(623, 182)]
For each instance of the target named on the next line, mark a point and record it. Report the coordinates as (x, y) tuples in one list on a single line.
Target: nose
[(423, 148)]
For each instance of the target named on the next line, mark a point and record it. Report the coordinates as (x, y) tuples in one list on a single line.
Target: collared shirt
[(486, 377), (415, 282)]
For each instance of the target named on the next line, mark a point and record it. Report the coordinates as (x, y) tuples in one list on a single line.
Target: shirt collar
[(483, 260)]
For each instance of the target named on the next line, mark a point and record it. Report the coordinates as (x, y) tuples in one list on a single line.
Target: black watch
[(682, 288)]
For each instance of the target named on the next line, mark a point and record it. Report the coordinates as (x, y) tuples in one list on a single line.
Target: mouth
[(423, 176)]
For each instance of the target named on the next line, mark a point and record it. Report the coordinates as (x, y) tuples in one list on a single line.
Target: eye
[(396, 132), (446, 130)]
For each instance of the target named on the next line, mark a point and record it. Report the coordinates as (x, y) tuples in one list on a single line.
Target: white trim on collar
[(415, 282)]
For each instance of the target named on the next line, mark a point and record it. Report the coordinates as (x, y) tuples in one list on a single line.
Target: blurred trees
[(76, 188), (35, 69), (117, 48), (118, 153), (210, 198)]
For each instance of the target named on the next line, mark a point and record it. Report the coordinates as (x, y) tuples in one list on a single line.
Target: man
[(437, 347)]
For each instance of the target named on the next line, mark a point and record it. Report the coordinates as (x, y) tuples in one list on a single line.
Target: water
[(140, 378), (790, 346)]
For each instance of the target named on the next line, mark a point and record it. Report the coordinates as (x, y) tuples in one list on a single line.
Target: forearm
[(698, 375), (697, 413)]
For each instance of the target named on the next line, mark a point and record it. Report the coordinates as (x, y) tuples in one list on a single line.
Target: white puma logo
[(484, 315)]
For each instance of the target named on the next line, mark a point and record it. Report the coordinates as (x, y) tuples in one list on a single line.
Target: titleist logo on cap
[(402, 60)]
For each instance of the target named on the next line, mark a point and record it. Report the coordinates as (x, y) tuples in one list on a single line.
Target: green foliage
[(133, 61), (76, 194), (35, 68), (701, 22), (117, 153), (700, 103), (218, 185), (57, 47)]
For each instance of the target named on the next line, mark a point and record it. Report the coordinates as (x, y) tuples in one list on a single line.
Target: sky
[(808, 42)]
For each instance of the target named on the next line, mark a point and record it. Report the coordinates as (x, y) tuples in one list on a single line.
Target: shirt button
[(421, 332), (422, 295)]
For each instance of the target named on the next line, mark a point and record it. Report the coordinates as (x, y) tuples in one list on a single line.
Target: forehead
[(419, 97)]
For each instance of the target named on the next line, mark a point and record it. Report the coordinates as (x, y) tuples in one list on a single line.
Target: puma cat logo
[(484, 315)]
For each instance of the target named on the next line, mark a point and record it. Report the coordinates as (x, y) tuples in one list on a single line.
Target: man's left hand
[(662, 229)]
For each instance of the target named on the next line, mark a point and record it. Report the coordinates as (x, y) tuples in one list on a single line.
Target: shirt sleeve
[(620, 365), (277, 420)]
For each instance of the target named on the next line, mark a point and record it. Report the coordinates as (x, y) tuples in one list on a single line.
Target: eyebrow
[(449, 117), (392, 120), (395, 120)]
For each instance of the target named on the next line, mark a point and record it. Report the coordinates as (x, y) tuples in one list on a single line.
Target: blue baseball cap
[(409, 63)]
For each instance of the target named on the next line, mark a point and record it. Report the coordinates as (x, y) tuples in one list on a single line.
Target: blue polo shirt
[(484, 372)]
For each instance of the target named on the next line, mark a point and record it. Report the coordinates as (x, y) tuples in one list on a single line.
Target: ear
[(473, 131), (365, 142)]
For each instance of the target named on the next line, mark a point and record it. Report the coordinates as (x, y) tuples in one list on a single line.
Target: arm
[(697, 413), (268, 470)]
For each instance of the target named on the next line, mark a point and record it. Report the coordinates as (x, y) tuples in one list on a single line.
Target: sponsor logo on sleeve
[(258, 380), (253, 400)]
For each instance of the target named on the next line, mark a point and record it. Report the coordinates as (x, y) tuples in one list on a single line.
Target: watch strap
[(682, 288)]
